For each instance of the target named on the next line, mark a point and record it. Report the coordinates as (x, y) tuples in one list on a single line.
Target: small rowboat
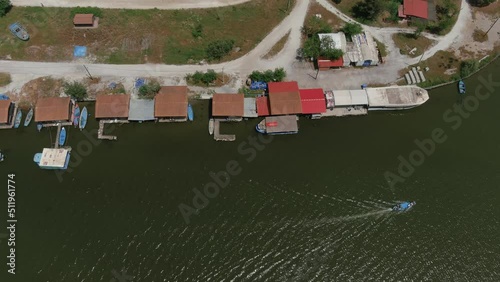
[(404, 206), (211, 125), (190, 113), (76, 116), (17, 121), (461, 87), (18, 30), (39, 126), (29, 116), (83, 118), (37, 157), (62, 136)]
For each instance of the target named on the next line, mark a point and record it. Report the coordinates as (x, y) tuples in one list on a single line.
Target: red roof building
[(263, 108), (324, 63), (415, 8), (313, 101), (284, 98)]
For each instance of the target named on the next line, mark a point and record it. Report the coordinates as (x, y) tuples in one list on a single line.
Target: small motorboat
[(62, 136), (18, 30), (83, 118), (17, 121), (404, 206), (76, 115), (461, 87), (2, 156), (211, 125), (37, 157), (29, 116), (39, 126), (190, 113)]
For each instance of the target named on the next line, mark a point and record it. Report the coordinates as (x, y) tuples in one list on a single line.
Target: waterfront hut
[(284, 98), (350, 98), (85, 21), (263, 107), (6, 112), (171, 104), (53, 110), (112, 106), (250, 108), (339, 41), (229, 106), (313, 101)]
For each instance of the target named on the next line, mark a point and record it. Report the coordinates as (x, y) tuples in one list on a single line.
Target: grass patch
[(479, 36), (140, 36), (5, 79), (334, 21), (406, 42), (443, 67), (381, 48), (277, 47)]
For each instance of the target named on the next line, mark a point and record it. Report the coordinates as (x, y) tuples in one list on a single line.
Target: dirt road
[(131, 4)]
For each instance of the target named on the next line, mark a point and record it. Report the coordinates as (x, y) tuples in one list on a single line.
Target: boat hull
[(29, 116), (190, 113), (62, 137), (83, 118), (211, 125), (17, 121)]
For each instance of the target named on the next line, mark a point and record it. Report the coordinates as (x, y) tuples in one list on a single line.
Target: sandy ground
[(131, 4), (351, 78)]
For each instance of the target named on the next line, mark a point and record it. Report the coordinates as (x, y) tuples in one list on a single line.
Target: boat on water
[(39, 126), (17, 121), (29, 116), (62, 136), (190, 113), (404, 206), (211, 125), (18, 30), (83, 118), (391, 98), (2, 156), (278, 125), (461, 87), (51, 158), (76, 115)]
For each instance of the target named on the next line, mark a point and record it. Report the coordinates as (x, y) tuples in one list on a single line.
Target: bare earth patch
[(277, 47)]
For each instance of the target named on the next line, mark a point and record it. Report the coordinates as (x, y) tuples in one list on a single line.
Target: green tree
[(315, 25), (149, 90), (328, 49), (367, 10), (311, 47), (351, 29), (468, 67), (218, 49), (269, 75), (76, 90), (5, 6)]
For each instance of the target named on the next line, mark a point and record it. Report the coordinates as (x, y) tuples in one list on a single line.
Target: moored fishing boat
[(51, 158), (461, 87), (62, 136), (76, 115), (29, 116), (211, 125), (190, 113), (278, 125), (17, 121), (39, 126), (83, 118)]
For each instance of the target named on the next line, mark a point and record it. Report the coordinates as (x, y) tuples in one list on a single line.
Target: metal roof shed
[(344, 98), (250, 108), (141, 110)]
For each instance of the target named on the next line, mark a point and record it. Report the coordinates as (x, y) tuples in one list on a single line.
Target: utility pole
[(486, 33), (88, 72)]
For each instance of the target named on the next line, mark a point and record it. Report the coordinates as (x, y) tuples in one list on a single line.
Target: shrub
[(316, 25), (218, 49), (367, 10), (481, 3), (468, 67), (5, 6), (149, 90), (197, 30), (199, 78), (269, 75), (86, 10), (76, 90)]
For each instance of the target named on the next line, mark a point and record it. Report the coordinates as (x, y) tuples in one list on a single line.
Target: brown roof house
[(112, 106), (231, 106), (171, 103), (6, 112), (53, 109), (85, 21), (284, 98)]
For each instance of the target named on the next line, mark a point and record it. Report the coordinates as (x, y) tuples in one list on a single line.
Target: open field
[(406, 42), (140, 36), (443, 67), (334, 21)]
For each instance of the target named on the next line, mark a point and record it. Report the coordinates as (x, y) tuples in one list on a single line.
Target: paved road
[(131, 4)]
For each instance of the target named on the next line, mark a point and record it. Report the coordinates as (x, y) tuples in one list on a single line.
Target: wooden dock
[(171, 120), (221, 137), (100, 132), (57, 124)]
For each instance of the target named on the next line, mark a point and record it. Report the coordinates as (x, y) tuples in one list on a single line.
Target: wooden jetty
[(221, 137), (171, 120), (100, 132), (57, 124)]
